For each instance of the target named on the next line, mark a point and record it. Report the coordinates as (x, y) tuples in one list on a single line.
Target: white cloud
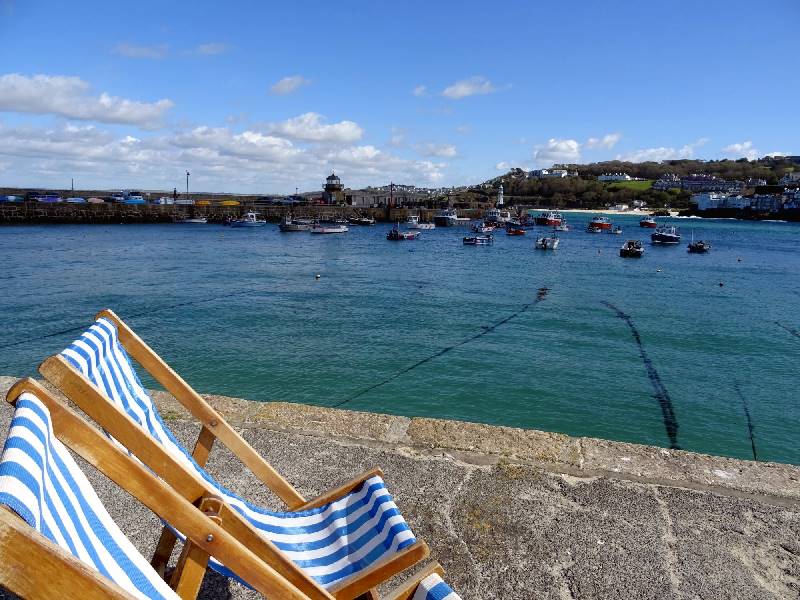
[(219, 158), (287, 85), (211, 48), (663, 153), (398, 138), (464, 129), (557, 151), (474, 86), (420, 91), (608, 141), (440, 150), (742, 150), (153, 51), (776, 153), (310, 127), (67, 97)]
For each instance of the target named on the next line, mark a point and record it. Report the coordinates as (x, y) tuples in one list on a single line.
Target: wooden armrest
[(338, 492), (380, 572)]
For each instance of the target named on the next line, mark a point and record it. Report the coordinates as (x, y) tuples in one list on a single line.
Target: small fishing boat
[(290, 224), (327, 227), (395, 235), (563, 226), (497, 216), (546, 243), (699, 247), (447, 217), (631, 249), (600, 223), (648, 222), (360, 220), (482, 227), (592, 229), (665, 235), (616, 231), (511, 230), (192, 221), (249, 219), (479, 240), (550, 218)]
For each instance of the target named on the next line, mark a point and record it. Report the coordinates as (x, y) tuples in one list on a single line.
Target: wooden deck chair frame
[(93, 402), (203, 528)]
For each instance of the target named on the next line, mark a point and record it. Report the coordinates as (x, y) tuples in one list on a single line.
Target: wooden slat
[(137, 440), (137, 480), (163, 551), (203, 411), (405, 591), (34, 567), (338, 492), (381, 571), (203, 445), (193, 561)]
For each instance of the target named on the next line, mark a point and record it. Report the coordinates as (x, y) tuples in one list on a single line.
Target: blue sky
[(265, 97)]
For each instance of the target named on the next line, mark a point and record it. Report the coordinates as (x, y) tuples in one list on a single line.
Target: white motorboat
[(193, 221), (546, 243), (447, 217), (665, 235), (250, 219), (329, 228), (289, 224)]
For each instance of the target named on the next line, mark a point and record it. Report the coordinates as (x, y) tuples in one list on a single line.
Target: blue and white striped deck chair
[(341, 544), (433, 587), (42, 483)]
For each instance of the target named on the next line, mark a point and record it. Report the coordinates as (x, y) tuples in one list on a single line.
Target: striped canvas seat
[(433, 587), (330, 543), (41, 482)]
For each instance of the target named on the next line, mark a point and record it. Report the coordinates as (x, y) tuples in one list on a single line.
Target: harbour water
[(651, 351)]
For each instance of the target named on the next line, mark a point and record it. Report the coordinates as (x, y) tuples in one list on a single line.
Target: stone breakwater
[(514, 513)]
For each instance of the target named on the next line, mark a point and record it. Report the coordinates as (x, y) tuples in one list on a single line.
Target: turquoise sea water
[(240, 313)]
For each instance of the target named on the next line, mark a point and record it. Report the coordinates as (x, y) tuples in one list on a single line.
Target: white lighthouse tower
[(500, 196)]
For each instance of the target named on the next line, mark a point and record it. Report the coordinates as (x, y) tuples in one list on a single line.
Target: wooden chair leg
[(193, 562), (163, 551), (370, 595)]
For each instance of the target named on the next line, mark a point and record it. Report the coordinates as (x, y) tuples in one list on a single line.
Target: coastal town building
[(755, 182), (792, 178), (701, 182), (614, 177), (666, 182)]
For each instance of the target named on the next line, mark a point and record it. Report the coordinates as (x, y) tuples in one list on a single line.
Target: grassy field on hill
[(638, 186)]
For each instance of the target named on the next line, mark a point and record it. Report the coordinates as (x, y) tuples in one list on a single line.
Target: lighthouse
[(334, 190), (500, 196)]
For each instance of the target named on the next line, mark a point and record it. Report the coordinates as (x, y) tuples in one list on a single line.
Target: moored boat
[(699, 247), (665, 235), (191, 220), (547, 243), (631, 249), (648, 222), (600, 223), (616, 230), (395, 235), (497, 216), (512, 230), (550, 218), (447, 217), (327, 227), (361, 220), (479, 240), (563, 226), (482, 227), (289, 224), (250, 219)]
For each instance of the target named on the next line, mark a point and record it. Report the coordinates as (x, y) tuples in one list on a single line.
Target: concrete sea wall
[(514, 513)]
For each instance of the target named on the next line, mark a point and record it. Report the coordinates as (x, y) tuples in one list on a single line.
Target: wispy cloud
[(464, 129), (398, 137), (742, 150), (152, 52), (420, 90), (287, 85), (211, 48), (310, 127), (68, 97), (474, 86), (608, 141), (662, 153), (440, 150)]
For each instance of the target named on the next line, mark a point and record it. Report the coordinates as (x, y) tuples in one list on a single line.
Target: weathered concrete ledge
[(517, 513)]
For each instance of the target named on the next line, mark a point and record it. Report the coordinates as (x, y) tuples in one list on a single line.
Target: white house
[(555, 173), (614, 177), (790, 178)]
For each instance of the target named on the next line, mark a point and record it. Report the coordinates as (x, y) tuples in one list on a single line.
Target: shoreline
[(637, 212)]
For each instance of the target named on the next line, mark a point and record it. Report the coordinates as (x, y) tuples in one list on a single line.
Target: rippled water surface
[(240, 312)]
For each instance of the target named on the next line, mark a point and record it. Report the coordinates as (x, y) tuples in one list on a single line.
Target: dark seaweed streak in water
[(541, 293), (661, 393), (750, 426), (794, 332)]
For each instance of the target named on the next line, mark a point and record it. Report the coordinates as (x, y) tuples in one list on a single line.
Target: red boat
[(550, 218), (648, 222), (515, 231), (600, 223)]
